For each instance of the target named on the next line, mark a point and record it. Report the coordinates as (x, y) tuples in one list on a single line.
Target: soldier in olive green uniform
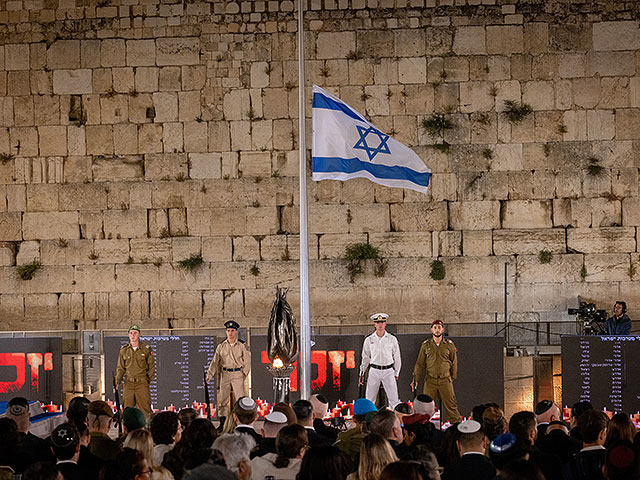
[(437, 358), (136, 366), (232, 363)]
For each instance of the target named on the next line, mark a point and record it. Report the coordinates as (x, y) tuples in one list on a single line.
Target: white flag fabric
[(345, 146)]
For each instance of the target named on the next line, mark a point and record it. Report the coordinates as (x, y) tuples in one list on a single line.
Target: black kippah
[(543, 406)]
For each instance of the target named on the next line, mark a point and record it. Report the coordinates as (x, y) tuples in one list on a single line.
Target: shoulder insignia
[(124, 346), (241, 341)]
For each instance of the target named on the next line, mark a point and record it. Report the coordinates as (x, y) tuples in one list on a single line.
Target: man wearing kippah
[(381, 353), (136, 366), (232, 363), (438, 360)]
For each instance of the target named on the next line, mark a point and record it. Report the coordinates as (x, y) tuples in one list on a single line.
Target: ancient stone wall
[(136, 134)]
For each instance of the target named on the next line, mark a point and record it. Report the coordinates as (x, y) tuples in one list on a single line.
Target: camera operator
[(619, 323)]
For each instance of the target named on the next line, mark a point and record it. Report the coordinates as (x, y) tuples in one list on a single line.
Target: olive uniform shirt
[(439, 361), (135, 364)]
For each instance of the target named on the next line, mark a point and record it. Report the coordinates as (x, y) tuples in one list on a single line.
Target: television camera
[(591, 321)]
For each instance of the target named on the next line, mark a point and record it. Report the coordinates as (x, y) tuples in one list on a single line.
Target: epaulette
[(124, 346), (449, 341), (241, 341)]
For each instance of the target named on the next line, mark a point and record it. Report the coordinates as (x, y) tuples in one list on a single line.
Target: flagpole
[(305, 328)]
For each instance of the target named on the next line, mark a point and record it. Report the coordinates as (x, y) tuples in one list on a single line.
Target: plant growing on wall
[(437, 125), (6, 157), (26, 272), (593, 167), (545, 256), (438, 272), (516, 112), (191, 263), (355, 254)]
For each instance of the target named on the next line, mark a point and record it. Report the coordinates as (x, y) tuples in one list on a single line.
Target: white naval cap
[(379, 317)]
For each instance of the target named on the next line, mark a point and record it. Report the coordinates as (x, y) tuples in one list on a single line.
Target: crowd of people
[(295, 443)]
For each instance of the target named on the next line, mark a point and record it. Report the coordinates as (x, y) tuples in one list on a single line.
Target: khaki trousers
[(442, 389), (137, 394), (231, 388)]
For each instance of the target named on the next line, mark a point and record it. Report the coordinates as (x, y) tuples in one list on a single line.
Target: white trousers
[(388, 379)]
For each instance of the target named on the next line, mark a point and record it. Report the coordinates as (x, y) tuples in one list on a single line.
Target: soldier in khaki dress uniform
[(136, 366), (438, 359), (232, 363)]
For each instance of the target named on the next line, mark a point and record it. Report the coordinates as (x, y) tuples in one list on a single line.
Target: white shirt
[(381, 351)]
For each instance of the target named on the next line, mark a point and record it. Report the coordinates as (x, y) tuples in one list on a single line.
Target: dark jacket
[(89, 463), (324, 430), (103, 447), (618, 326), (250, 431), (317, 440), (585, 465), (471, 465), (560, 444)]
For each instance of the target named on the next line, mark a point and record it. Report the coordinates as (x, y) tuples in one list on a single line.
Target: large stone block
[(477, 243), (125, 223), (418, 217), (607, 267), (64, 54), (137, 277), (165, 166), (41, 308), (246, 248), (602, 240), (482, 215), (91, 278), (110, 251), (226, 221), (178, 51), (614, 36), (50, 225), (469, 41), (72, 82), (505, 39), (333, 246), (141, 53), (527, 214), (82, 197), (335, 44), (476, 97), (368, 218), (152, 250), (610, 64), (119, 168), (528, 242), (255, 164), (43, 198)]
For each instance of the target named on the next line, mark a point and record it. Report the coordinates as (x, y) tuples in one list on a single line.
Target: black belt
[(381, 367), (136, 380), (231, 369)]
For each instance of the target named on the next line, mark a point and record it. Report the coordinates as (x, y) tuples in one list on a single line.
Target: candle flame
[(277, 363)]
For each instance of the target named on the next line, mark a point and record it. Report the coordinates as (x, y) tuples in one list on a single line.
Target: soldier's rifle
[(118, 409), (207, 399)]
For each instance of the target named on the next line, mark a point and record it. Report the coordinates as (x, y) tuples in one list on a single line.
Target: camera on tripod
[(591, 319)]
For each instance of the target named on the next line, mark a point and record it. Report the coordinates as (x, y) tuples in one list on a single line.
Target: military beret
[(133, 418), (416, 418), (100, 407), (363, 406), (232, 324), (379, 317), (134, 327), (436, 322)]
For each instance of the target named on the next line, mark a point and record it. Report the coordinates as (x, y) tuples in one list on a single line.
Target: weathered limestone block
[(475, 97), (477, 243), (125, 223), (233, 303), (610, 64), (597, 185), (615, 92), (505, 39), (50, 225), (28, 252), (450, 244), (212, 302), (325, 219), (335, 44), (178, 222), (41, 307), (368, 218), (527, 214), (602, 240), (181, 194), (217, 249), (90, 224), (334, 246), (407, 244), (481, 215), (152, 250), (187, 304), (531, 185), (141, 53), (408, 43), (469, 41), (624, 182), (119, 305), (110, 251), (630, 211), (90, 278), (70, 306), (275, 104), (241, 135), (150, 138), (82, 197), (627, 124), (185, 247), (412, 70), (528, 242), (232, 275), (72, 82), (177, 51), (163, 166), (139, 305), (286, 274), (606, 212), (189, 107), (246, 248), (607, 267), (418, 217), (166, 106), (99, 139), (614, 36), (43, 198), (227, 221), (586, 92), (161, 304), (456, 69), (136, 277), (262, 220)]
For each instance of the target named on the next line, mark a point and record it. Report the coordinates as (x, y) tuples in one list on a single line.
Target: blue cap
[(502, 443), (362, 406)]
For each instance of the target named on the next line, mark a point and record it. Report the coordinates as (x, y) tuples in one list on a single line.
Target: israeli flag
[(346, 146)]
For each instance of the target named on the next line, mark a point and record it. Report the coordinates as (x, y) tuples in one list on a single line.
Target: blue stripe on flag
[(353, 165), (321, 101)]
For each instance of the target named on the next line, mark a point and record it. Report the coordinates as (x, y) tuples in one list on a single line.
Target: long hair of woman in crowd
[(142, 441), (323, 463), (193, 449), (401, 471), (375, 454), (620, 428), (289, 442)]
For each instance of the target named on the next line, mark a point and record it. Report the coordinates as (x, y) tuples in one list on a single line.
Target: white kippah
[(469, 426), (247, 403), (276, 417)]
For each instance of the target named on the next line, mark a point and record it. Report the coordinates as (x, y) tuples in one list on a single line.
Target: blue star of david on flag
[(345, 146), (363, 145)]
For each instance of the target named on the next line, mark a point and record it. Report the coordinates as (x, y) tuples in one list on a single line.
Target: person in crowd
[(587, 463), (11, 453), (521, 470), (506, 448), (375, 454), (557, 441), (245, 412), (577, 409), (322, 463), (523, 426), (100, 419), (305, 416), (320, 407), (349, 441), (423, 404), (291, 444), (273, 423), (472, 463), (381, 355), (166, 432), (418, 434), (231, 363), (622, 461), (402, 471), (186, 416), (87, 461), (449, 452), (208, 472), (236, 449), (620, 427), (546, 412), (141, 440), (65, 444), (493, 422), (438, 362), (386, 424), (132, 419), (77, 410), (132, 465), (287, 410), (36, 447), (136, 366), (619, 323), (193, 449), (42, 471)]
